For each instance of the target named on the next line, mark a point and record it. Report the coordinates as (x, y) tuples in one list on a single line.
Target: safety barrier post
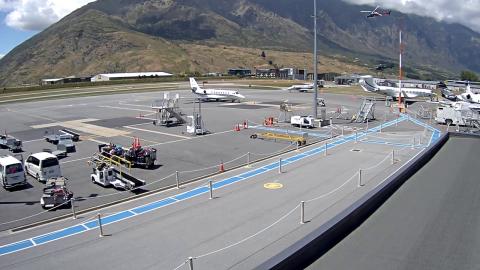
[(326, 147), (302, 212), (210, 187), (367, 126), (190, 263), (331, 133), (393, 156), (381, 126), (280, 165), (360, 184), (248, 160), (72, 202), (100, 224), (343, 130), (331, 121), (177, 179)]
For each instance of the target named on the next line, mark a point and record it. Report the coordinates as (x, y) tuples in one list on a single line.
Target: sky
[(21, 19)]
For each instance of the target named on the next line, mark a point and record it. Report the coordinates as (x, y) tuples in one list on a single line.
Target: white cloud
[(1, 56), (466, 12), (37, 15)]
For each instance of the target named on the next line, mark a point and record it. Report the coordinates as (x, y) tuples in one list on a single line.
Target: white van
[(11, 172), (43, 166)]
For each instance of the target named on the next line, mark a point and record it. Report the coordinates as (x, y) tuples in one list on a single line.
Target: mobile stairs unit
[(366, 111), (167, 111)]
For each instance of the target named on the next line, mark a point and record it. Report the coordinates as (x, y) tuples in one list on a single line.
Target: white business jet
[(214, 94), (369, 85)]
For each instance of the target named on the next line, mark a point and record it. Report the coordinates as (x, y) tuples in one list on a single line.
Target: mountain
[(210, 35)]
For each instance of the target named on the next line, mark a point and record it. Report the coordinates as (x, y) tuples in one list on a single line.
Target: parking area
[(120, 118)]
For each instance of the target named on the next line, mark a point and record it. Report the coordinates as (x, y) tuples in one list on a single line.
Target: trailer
[(136, 155), (56, 193), (302, 121), (299, 140), (11, 143), (61, 139), (75, 136)]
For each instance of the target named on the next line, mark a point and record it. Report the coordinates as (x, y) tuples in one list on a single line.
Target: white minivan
[(43, 166), (11, 172)]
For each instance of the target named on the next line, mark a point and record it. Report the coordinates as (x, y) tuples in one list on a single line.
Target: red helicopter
[(377, 12)]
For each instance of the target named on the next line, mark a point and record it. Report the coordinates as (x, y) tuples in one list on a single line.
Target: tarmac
[(431, 222), (115, 119), (246, 221)]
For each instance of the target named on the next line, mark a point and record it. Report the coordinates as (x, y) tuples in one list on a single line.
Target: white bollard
[(326, 147), (248, 160), (360, 184), (210, 187), (99, 217), (72, 202), (177, 179), (280, 165), (190, 263), (343, 130), (302, 212), (393, 156)]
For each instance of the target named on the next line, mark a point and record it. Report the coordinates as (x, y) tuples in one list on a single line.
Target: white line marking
[(127, 109), (158, 132)]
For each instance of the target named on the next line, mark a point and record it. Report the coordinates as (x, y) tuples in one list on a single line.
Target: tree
[(468, 75)]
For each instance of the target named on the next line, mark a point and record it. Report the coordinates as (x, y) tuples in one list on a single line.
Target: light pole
[(315, 61)]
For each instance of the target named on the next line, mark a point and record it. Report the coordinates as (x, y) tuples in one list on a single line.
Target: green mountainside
[(187, 36)]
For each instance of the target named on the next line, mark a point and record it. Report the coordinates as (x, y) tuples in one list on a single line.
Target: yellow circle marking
[(273, 186)]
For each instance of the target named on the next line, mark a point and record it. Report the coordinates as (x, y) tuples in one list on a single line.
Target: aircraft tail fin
[(194, 85), (468, 90)]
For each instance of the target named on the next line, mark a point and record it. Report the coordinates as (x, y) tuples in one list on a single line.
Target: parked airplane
[(368, 84), (214, 94), (469, 96), (377, 12), (301, 87)]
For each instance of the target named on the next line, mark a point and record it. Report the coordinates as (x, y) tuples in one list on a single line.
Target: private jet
[(369, 85), (215, 94), (469, 96), (301, 87)]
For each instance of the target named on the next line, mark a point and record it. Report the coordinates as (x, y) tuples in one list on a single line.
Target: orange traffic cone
[(222, 168)]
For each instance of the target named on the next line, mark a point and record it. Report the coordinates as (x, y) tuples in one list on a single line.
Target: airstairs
[(366, 111), (167, 111)]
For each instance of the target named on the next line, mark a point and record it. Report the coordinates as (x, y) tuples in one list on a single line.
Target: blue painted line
[(191, 193), (58, 234), (228, 181), (152, 206), (271, 166), (15, 247), (252, 173)]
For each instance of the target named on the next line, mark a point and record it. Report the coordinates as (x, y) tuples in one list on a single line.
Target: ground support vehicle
[(458, 114), (107, 175), (302, 121), (299, 140), (56, 193), (13, 144)]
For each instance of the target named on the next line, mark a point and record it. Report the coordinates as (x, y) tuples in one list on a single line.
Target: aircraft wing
[(366, 11)]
